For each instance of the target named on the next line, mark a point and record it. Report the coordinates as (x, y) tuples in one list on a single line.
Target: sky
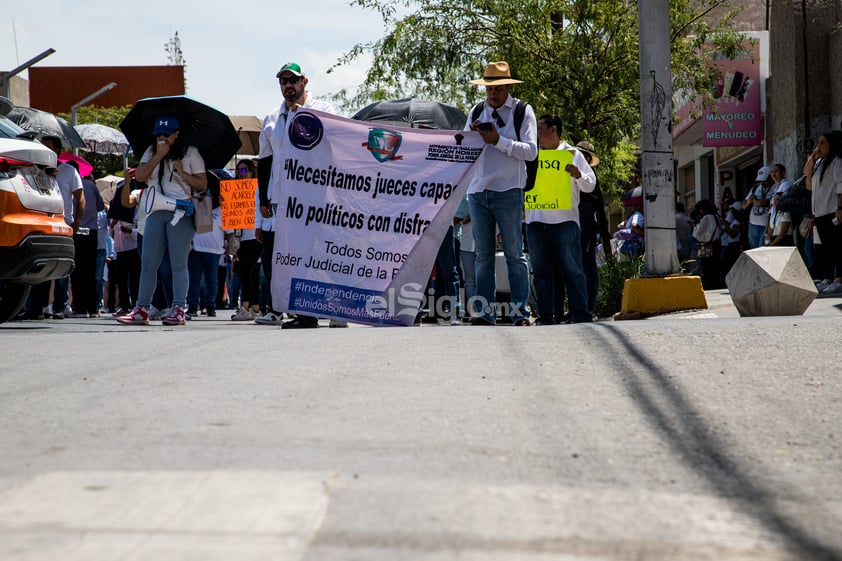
[(231, 54)]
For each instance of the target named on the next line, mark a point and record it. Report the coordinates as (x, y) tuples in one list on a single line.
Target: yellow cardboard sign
[(236, 197), (553, 189)]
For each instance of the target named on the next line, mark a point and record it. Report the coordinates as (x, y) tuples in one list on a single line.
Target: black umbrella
[(413, 113), (46, 124), (202, 126)]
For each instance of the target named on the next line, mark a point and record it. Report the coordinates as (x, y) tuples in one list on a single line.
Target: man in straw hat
[(495, 194)]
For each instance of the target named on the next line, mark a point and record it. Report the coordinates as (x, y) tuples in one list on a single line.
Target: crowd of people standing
[(776, 212), (159, 267)]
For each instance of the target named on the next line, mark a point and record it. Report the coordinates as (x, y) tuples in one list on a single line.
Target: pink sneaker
[(175, 317), (138, 316)]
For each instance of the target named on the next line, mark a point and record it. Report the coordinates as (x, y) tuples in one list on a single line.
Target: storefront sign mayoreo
[(737, 121)]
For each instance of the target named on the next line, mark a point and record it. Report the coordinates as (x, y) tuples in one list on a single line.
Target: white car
[(36, 244)]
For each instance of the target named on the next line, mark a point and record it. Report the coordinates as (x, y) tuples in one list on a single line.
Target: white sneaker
[(834, 288), (155, 313), (271, 318), (174, 316), (244, 315), (138, 316)]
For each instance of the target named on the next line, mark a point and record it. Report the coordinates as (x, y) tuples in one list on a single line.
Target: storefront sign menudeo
[(737, 120)]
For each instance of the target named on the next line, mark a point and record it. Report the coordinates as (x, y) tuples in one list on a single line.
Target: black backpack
[(116, 210), (797, 199), (519, 112)]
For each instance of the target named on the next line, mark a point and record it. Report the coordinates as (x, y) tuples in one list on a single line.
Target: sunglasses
[(291, 80), (242, 170)]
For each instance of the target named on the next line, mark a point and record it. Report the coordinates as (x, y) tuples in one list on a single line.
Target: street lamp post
[(8, 75), (77, 105)]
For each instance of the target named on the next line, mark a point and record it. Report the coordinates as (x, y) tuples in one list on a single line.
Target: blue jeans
[(503, 210), (100, 276), (162, 296), (201, 264), (159, 235), (266, 265), (556, 250), (591, 270), (755, 235), (469, 281), (234, 283), (61, 292), (446, 284)]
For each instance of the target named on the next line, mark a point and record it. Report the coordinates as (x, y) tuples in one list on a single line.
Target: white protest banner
[(361, 213)]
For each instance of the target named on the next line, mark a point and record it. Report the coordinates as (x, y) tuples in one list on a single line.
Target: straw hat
[(586, 146), (496, 73)]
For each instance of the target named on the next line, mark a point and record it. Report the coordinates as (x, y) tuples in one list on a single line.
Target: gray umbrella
[(46, 124), (101, 139), (413, 113)]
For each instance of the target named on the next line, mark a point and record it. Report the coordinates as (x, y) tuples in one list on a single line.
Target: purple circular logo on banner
[(305, 131)]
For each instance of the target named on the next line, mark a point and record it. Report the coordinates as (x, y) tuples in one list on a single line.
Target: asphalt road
[(692, 436)]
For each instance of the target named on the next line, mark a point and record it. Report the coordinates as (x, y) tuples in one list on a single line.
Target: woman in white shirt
[(248, 256), (731, 241), (823, 172), (174, 170), (708, 232), (779, 230)]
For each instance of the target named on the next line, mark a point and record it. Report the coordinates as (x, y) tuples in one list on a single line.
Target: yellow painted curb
[(658, 295)]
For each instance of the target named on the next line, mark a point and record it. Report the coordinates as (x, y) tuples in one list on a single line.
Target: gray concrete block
[(771, 281)]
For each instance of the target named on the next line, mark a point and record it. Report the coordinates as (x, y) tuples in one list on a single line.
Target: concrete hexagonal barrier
[(771, 281)]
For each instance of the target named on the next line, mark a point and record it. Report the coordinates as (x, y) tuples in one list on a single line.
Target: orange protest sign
[(236, 197)]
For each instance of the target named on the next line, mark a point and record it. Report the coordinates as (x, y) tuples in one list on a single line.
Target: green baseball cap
[(292, 67)]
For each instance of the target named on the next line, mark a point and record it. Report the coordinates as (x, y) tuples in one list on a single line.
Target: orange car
[(36, 244)]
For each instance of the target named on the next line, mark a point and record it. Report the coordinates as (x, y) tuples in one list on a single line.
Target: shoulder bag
[(202, 207), (203, 212), (705, 249)]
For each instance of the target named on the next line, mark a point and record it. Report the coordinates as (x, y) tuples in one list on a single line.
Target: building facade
[(796, 59), (57, 89)]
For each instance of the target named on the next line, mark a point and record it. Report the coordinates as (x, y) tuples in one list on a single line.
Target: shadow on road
[(686, 432)]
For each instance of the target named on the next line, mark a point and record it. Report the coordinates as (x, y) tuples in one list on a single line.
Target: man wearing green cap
[(293, 84)]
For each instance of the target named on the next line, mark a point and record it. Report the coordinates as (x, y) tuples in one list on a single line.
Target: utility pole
[(661, 288), (657, 170)]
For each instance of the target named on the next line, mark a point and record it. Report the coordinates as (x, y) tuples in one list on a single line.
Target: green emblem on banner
[(383, 144), (553, 189)]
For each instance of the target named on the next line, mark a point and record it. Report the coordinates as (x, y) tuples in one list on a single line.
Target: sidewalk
[(720, 305)]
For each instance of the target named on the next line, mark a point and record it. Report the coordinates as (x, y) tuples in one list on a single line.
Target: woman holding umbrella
[(175, 170)]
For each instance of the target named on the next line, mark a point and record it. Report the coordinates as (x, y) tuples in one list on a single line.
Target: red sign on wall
[(737, 121)]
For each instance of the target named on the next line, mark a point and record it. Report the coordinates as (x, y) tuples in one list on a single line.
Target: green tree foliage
[(104, 164), (577, 58), (108, 116)]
